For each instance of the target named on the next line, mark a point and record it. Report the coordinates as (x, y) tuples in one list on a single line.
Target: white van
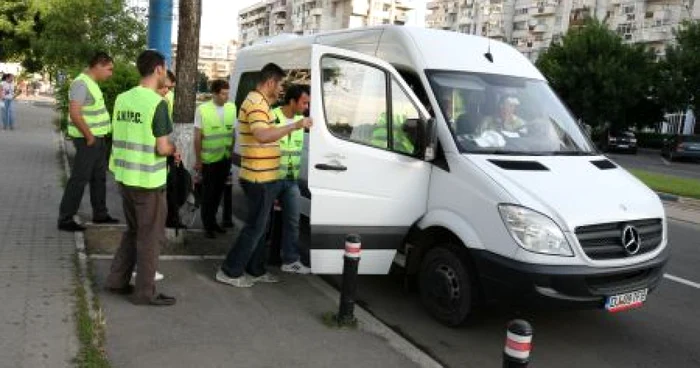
[(484, 186)]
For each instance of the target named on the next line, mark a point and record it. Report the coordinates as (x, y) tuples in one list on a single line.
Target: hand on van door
[(304, 123)]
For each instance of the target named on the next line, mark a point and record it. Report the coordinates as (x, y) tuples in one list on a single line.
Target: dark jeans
[(213, 183), (89, 166), (289, 199), (145, 212), (250, 251), (227, 215)]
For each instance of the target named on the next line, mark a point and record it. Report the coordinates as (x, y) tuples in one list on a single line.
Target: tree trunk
[(186, 75)]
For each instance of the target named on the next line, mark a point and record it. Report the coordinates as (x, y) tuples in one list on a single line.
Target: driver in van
[(506, 121)]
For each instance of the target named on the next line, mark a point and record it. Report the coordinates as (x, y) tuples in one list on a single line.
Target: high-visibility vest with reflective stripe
[(170, 98), (401, 142), (290, 147), (217, 135), (96, 115), (135, 161)]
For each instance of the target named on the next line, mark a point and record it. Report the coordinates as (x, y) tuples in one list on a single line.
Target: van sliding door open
[(364, 169)]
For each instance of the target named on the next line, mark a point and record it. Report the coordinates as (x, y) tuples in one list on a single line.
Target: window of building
[(520, 26)]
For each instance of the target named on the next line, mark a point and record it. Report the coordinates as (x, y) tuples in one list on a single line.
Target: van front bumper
[(504, 278)]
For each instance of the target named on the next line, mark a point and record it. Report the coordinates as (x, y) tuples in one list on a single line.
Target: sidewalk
[(37, 328)]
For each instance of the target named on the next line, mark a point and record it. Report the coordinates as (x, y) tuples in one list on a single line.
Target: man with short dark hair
[(259, 178), (140, 147), (213, 142), (296, 103), (88, 128)]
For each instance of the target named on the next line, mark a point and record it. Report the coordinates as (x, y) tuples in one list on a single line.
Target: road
[(663, 333), (651, 160)]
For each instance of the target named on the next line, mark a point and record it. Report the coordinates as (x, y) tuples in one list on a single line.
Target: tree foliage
[(604, 82), (20, 23), (681, 68)]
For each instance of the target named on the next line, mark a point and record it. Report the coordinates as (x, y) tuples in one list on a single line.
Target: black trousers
[(89, 167), (213, 182)]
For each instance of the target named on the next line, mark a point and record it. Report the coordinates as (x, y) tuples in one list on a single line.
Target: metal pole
[(346, 312), (516, 353), (160, 24)]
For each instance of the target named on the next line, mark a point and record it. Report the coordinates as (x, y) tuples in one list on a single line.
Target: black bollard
[(346, 312), (518, 344)]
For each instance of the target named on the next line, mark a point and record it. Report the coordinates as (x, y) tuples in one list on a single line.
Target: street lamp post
[(160, 23)]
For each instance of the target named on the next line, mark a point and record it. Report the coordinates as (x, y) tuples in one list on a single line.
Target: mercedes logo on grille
[(631, 240)]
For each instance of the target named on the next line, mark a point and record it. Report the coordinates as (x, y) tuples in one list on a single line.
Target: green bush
[(125, 77), (651, 140)]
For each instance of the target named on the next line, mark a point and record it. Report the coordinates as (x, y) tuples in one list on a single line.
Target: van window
[(247, 83), (405, 121), (355, 103)]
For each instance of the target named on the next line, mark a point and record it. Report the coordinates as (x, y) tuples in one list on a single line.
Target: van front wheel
[(445, 287)]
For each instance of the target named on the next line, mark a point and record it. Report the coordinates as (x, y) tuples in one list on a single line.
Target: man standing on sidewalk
[(259, 178), (296, 102), (141, 145), (89, 124), (213, 142)]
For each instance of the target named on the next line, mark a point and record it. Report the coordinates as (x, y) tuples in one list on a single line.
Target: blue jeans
[(249, 254), (8, 114), (289, 199)]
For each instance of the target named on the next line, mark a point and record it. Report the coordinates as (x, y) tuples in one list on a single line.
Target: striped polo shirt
[(260, 162)]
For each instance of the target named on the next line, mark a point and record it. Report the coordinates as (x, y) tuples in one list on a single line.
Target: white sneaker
[(159, 276), (267, 278), (243, 282), (296, 267)]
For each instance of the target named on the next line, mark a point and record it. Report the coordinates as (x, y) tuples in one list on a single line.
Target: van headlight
[(534, 231)]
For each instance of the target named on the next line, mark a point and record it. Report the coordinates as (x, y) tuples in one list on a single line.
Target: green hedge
[(124, 77)]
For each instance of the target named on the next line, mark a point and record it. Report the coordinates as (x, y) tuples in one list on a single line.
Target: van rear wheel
[(445, 286)]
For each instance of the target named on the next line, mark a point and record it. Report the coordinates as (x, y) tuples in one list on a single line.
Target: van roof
[(408, 47)]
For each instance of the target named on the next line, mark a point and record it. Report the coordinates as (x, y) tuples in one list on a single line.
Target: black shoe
[(126, 290), (210, 234), (158, 300), (220, 230), (227, 225), (71, 226), (105, 220)]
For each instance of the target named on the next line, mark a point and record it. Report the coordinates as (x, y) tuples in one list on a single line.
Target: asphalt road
[(651, 160), (665, 332)]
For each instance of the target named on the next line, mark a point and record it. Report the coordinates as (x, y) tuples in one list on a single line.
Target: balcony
[(404, 5), (316, 12), (433, 5), (401, 18), (280, 21), (654, 34), (497, 33), (279, 9), (540, 28), (544, 10)]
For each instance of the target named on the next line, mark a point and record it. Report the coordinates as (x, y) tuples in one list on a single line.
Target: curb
[(678, 199)]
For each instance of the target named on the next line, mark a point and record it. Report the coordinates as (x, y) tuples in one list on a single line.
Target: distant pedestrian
[(141, 144), (7, 88), (259, 178), (88, 128)]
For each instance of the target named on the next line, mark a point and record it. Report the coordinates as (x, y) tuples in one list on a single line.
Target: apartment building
[(532, 25), (215, 60), (302, 17)]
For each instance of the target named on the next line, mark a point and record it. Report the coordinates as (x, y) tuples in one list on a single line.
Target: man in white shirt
[(7, 94)]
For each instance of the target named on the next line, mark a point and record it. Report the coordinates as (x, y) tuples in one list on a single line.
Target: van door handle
[(329, 167)]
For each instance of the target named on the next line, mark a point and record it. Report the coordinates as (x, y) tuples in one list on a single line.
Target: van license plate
[(620, 302)]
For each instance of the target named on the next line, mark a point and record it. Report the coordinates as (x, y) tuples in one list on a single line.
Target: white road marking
[(683, 281), (665, 162)]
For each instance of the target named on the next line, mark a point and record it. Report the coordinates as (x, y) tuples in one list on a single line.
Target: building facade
[(302, 17), (532, 25), (215, 60)]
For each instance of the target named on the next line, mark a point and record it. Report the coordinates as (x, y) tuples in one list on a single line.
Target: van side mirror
[(423, 135), (429, 139)]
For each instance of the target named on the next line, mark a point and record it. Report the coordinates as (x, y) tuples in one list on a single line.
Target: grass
[(669, 184)]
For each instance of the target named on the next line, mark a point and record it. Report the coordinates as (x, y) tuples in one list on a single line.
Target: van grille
[(604, 241)]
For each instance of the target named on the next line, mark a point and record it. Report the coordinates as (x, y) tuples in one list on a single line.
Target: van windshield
[(496, 114)]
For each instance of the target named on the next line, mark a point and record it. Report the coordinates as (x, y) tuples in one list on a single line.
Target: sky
[(219, 20)]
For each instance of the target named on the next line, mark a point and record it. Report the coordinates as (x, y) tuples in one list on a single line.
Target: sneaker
[(243, 281), (266, 278), (296, 267), (70, 226), (159, 276)]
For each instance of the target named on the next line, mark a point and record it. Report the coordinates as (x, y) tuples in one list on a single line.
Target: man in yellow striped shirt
[(259, 177)]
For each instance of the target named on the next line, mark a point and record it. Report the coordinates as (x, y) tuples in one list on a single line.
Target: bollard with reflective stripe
[(346, 312), (518, 344)]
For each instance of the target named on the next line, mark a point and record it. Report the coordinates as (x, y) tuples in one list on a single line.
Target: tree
[(681, 68), (20, 23), (75, 29), (187, 60), (604, 82)]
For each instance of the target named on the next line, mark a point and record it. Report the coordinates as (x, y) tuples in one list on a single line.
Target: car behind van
[(452, 157)]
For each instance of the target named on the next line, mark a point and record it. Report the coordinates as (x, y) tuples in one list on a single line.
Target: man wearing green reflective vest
[(296, 102), (88, 127), (213, 142), (139, 149), (402, 143)]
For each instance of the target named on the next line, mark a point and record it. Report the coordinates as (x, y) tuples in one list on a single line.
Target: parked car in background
[(619, 141), (682, 146)]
